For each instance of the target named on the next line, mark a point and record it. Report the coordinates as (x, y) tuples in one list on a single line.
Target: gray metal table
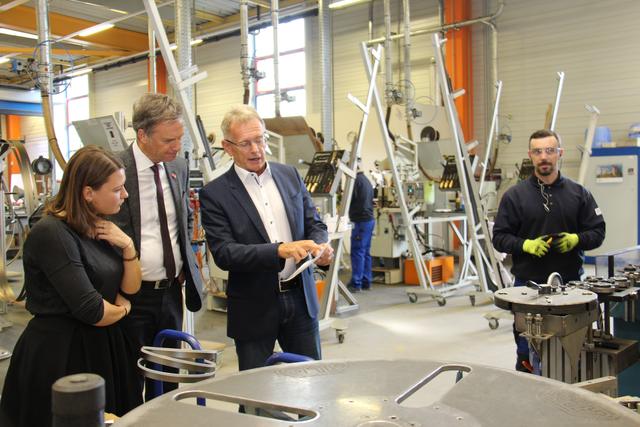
[(365, 394)]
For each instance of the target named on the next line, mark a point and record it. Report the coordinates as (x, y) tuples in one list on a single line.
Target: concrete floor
[(386, 326)]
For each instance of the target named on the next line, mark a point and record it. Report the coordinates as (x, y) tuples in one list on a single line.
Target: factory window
[(291, 69), (69, 105)]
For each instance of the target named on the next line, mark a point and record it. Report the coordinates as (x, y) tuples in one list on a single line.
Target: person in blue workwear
[(361, 215), (546, 223)]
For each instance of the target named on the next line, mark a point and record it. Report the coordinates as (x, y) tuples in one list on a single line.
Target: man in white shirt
[(158, 218), (260, 221)]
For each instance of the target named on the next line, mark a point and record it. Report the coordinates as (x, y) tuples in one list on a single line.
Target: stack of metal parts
[(557, 320), (393, 393), (195, 365)]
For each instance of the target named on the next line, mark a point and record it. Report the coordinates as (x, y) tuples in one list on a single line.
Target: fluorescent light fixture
[(4, 59), (341, 4), (79, 72), (16, 33), (95, 29)]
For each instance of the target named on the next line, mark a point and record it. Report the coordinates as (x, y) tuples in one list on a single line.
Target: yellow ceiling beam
[(80, 52), (214, 19), (24, 18)]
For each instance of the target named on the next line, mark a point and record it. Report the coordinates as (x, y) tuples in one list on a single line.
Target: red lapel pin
[(173, 175)]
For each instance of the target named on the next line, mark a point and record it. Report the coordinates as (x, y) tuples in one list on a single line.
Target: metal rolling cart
[(393, 393)]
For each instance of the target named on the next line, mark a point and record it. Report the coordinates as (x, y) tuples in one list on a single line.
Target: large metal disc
[(365, 394)]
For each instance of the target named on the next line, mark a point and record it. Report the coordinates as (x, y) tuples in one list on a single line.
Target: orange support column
[(458, 61), (14, 132), (161, 75)]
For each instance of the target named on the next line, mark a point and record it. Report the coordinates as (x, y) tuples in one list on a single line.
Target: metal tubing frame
[(588, 142), (556, 104), (178, 81), (421, 270), (476, 216), (494, 121)]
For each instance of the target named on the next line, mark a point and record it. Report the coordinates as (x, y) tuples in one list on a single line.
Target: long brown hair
[(89, 166)]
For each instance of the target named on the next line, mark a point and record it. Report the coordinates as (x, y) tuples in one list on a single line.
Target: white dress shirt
[(267, 199), (150, 238)]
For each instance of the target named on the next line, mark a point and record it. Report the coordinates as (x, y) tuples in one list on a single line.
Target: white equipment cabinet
[(612, 177)]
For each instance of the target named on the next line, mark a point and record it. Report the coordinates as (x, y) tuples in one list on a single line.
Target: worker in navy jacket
[(546, 223)]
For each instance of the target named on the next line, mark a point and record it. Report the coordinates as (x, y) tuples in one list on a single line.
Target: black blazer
[(128, 219), (240, 244)]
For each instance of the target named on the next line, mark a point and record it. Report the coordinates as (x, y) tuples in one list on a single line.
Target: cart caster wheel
[(412, 297), (340, 336), (441, 302), (472, 299), (494, 323)]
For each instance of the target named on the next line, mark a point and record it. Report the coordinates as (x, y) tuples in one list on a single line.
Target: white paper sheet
[(310, 261)]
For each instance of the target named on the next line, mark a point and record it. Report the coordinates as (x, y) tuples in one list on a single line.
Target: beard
[(548, 169)]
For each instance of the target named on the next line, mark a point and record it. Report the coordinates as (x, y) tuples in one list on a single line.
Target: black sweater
[(361, 208), (521, 215)]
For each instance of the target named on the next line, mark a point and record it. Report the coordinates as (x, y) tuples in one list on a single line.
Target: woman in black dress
[(77, 267)]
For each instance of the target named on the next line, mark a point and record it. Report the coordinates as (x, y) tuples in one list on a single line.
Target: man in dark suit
[(158, 218), (260, 221)]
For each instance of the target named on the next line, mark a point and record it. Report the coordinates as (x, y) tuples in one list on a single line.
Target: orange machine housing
[(440, 269)]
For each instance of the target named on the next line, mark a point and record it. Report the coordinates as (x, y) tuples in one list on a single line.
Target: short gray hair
[(154, 108), (239, 114)]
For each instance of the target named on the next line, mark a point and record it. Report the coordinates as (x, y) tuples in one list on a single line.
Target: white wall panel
[(594, 42), (117, 89), (223, 86)]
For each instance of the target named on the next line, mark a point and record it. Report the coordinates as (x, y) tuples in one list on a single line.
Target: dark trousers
[(153, 310), (297, 333), (360, 254)]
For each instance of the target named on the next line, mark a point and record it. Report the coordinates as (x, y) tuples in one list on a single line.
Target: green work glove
[(566, 242), (536, 247)]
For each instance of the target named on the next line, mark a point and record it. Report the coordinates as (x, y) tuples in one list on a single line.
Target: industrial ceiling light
[(4, 59), (95, 29), (341, 4), (16, 33)]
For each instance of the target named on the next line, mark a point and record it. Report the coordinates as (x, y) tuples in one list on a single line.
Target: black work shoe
[(523, 364)]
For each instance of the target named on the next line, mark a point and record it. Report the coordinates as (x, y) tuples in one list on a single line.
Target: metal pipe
[(244, 50), (370, 20), (442, 28), (153, 70), (45, 79), (407, 64), (436, 80), (183, 13), (556, 104), (326, 74), (492, 128), (388, 65), (276, 54)]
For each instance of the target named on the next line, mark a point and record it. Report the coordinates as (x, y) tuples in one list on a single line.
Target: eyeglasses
[(548, 150), (246, 145)]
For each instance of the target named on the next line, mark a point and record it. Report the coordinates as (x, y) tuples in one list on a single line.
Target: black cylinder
[(78, 401)]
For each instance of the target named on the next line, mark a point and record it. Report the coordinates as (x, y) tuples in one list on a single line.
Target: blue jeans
[(360, 256), (297, 333)]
